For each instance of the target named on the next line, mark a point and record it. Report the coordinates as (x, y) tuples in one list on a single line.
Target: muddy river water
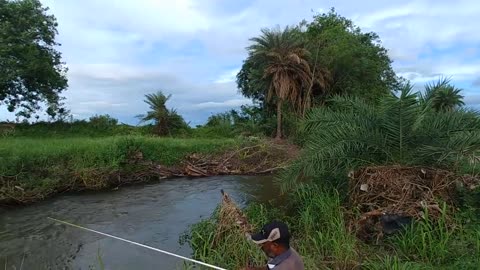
[(155, 214)]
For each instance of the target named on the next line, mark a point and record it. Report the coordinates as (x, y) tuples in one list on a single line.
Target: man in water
[(274, 239)]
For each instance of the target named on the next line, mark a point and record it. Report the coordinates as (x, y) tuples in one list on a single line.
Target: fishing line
[(138, 244)]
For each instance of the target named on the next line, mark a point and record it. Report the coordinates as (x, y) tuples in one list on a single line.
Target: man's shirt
[(289, 260)]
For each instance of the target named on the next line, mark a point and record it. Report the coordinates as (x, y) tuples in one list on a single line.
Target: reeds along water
[(316, 217)]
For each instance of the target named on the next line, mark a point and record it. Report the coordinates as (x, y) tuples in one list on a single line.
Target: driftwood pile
[(256, 159), (230, 218), (400, 194)]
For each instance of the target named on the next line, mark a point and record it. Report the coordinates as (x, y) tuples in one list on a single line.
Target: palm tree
[(165, 120), (352, 133), (283, 58), (442, 96)]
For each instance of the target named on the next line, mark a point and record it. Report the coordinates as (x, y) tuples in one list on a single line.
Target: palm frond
[(400, 117), (350, 133)]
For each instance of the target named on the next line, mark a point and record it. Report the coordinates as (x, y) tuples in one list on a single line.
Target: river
[(155, 214)]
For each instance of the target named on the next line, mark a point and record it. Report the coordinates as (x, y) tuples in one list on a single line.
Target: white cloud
[(476, 82), (229, 76), (224, 104), (117, 51)]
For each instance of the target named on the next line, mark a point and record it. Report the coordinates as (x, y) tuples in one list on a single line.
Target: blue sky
[(117, 51)]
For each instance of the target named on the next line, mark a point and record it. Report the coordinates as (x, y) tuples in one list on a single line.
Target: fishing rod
[(137, 244)]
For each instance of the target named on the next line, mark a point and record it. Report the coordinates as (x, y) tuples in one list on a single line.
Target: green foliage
[(442, 96), (316, 223), (233, 250), (320, 229), (352, 133), (32, 71), (388, 262), (98, 126), (103, 121), (167, 122), (248, 121), (43, 166), (427, 241), (282, 58), (350, 62), (358, 63)]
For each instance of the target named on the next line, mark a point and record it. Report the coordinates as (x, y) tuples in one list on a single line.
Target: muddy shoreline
[(135, 169)]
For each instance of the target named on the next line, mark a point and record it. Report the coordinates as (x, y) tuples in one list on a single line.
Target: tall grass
[(320, 229), (426, 240), (389, 262), (42, 166), (316, 219), (79, 128), (17, 153), (317, 226), (234, 250)]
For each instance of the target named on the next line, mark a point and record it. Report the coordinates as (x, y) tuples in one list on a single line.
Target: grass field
[(42, 166)]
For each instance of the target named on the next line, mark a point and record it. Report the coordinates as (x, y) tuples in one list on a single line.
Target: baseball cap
[(273, 231)]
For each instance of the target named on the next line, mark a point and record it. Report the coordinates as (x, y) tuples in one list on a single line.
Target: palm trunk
[(279, 120), (307, 101)]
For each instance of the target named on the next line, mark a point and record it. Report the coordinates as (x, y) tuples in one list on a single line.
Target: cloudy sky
[(119, 50)]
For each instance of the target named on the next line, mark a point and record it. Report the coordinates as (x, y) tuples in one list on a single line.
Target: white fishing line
[(138, 244)]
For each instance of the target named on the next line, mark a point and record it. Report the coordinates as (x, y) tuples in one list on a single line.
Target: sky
[(119, 50)]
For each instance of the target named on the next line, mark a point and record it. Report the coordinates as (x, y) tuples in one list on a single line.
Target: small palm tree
[(352, 133), (283, 58), (165, 120), (442, 96)]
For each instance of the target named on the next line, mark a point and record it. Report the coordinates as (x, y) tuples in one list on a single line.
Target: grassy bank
[(317, 220), (35, 168)]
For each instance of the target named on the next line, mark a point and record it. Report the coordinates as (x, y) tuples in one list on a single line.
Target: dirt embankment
[(262, 158)]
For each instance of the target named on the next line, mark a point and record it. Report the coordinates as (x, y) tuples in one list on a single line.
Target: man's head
[(274, 238)]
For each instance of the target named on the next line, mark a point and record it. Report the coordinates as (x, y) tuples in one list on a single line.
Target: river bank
[(318, 219), (34, 169)]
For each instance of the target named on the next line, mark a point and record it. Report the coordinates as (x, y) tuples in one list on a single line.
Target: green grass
[(317, 222), (233, 249), (427, 241), (75, 129), (46, 165), (389, 262), (320, 229), (16, 153)]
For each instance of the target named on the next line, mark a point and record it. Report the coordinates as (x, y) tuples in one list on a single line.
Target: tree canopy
[(351, 62), (31, 69)]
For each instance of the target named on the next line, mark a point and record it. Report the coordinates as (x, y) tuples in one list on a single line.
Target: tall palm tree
[(165, 120), (283, 58), (442, 96)]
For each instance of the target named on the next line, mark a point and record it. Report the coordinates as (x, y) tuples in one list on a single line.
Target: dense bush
[(351, 133)]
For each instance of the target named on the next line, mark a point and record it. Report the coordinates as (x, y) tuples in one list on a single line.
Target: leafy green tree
[(353, 133), (358, 63), (102, 121), (221, 119), (351, 62), (31, 70), (442, 96), (166, 121)]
